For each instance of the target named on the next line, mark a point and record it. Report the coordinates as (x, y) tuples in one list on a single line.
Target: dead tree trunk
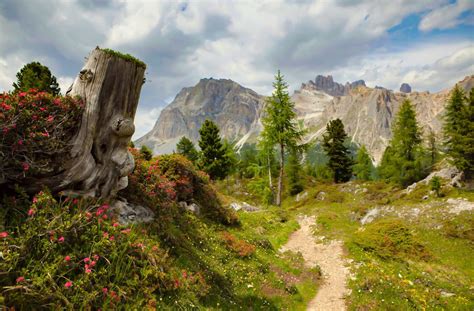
[(99, 162)]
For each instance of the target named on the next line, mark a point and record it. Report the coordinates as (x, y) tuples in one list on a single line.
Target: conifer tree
[(186, 148), (295, 184), (402, 161), (36, 76), (213, 153), (363, 167), (459, 130), (432, 147), (279, 125), (340, 162)]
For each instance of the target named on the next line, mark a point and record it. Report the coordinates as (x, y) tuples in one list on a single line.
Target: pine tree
[(213, 153), (279, 125), (458, 130), (186, 148), (363, 167), (295, 184), (36, 76), (340, 162), (402, 161)]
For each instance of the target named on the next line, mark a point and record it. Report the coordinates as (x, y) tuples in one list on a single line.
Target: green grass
[(399, 263), (126, 57)]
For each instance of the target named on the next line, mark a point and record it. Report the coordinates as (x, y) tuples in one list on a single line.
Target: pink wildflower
[(26, 166), (61, 239), (68, 284), (67, 258), (3, 234), (87, 259), (31, 212), (20, 279)]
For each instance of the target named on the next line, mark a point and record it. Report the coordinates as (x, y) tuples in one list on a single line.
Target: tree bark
[(280, 178), (99, 160)]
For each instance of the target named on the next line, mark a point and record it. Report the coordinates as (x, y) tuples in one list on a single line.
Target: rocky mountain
[(234, 108), (405, 88), (367, 113), (328, 86)]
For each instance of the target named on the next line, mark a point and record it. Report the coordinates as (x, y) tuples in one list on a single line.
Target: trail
[(330, 258)]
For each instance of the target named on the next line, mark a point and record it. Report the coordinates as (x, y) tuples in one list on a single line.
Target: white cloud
[(447, 16), (428, 66), (144, 120)]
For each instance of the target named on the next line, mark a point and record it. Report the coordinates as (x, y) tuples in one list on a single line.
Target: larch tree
[(340, 161), (363, 167), (402, 161), (279, 125)]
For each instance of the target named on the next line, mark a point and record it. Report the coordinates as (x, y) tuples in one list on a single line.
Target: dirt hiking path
[(330, 258)]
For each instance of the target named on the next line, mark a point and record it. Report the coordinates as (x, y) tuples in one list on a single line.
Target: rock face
[(328, 86), (405, 88), (234, 108)]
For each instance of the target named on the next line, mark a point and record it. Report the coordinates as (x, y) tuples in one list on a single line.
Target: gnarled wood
[(99, 160)]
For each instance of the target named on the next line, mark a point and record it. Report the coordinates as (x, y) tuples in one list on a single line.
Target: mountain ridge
[(367, 113)]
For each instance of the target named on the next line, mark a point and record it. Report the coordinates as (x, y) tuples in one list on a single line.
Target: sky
[(426, 43)]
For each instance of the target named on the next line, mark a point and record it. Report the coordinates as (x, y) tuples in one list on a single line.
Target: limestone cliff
[(234, 108)]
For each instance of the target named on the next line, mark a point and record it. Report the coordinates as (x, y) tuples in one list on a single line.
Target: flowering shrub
[(70, 253), (242, 248), (167, 179), (35, 128)]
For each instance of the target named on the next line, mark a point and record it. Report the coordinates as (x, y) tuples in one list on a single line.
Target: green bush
[(390, 239)]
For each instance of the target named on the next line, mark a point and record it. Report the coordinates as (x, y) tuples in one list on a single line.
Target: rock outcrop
[(234, 108), (405, 88), (328, 86)]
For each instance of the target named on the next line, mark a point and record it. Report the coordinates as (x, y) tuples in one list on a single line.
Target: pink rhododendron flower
[(20, 279), (96, 257), (26, 166), (61, 239), (31, 212), (105, 290), (105, 235), (67, 258), (3, 234), (126, 231), (115, 225), (22, 94), (87, 259), (35, 200), (88, 271), (68, 284)]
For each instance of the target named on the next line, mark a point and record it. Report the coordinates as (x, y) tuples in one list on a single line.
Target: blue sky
[(429, 44)]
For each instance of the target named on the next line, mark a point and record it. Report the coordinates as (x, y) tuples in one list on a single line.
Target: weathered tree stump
[(109, 84)]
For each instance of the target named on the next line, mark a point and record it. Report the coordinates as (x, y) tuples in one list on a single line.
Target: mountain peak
[(327, 85)]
